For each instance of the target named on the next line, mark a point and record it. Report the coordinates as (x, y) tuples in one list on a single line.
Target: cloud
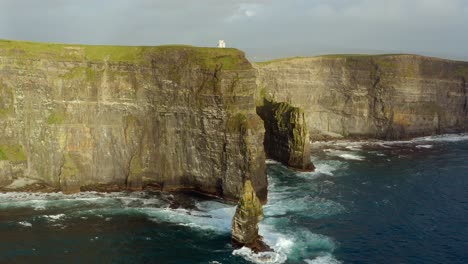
[(269, 28), (245, 11)]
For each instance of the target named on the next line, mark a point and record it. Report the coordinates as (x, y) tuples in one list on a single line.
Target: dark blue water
[(408, 207), (403, 202)]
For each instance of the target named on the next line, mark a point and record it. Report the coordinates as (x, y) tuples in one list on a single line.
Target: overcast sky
[(263, 28)]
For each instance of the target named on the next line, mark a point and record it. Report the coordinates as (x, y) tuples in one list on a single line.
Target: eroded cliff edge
[(382, 97), (76, 117)]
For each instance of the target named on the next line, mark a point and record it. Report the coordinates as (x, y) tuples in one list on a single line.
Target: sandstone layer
[(76, 117), (382, 97)]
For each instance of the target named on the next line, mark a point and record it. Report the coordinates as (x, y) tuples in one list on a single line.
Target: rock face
[(287, 135), (248, 214), (383, 97), (107, 118)]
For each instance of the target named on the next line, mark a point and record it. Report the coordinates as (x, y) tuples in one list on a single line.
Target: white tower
[(221, 44)]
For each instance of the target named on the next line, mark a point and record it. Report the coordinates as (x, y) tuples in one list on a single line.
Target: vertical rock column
[(248, 214), (286, 134)]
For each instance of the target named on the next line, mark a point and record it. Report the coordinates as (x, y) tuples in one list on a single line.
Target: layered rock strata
[(248, 214), (384, 97), (76, 117), (287, 136)]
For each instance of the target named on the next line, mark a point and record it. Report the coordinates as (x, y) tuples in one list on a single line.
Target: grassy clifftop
[(230, 59), (401, 64), (356, 56)]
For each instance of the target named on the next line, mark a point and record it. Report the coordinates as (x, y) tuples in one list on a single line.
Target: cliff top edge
[(357, 57), (230, 58)]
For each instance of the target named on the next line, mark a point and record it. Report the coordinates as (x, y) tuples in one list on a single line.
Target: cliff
[(359, 96), (75, 117)]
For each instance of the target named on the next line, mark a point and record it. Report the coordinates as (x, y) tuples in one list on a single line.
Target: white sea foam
[(39, 205), (53, 218), (321, 169), (25, 224), (206, 215), (424, 146), (343, 154), (261, 257), (443, 138), (325, 169), (349, 156), (356, 145), (270, 161), (292, 244), (279, 242), (328, 259), (210, 215)]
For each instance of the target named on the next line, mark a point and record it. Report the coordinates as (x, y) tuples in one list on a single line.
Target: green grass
[(280, 60), (359, 55), (5, 112), (3, 156), (236, 122), (69, 168), (332, 56), (80, 72), (462, 71), (231, 59), (6, 93), (12, 153), (56, 119)]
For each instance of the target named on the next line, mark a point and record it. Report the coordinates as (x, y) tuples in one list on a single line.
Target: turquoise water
[(367, 202)]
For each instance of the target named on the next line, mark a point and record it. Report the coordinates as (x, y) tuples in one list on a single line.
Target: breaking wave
[(347, 155), (261, 257), (285, 201), (358, 145), (328, 259)]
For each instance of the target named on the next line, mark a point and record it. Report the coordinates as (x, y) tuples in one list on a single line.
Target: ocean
[(367, 202)]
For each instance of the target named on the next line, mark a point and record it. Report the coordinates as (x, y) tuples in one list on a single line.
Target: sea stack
[(248, 214)]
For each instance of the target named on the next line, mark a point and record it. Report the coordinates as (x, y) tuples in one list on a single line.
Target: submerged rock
[(248, 214)]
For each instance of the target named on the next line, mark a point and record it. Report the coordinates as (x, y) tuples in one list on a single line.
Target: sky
[(265, 29)]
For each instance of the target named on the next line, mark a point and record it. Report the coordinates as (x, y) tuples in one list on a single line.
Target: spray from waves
[(261, 257), (289, 200), (289, 243), (323, 168), (293, 245)]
